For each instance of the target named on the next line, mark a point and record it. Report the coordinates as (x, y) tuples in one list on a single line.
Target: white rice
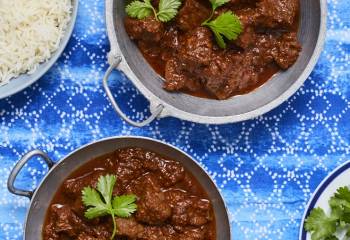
[(30, 31)]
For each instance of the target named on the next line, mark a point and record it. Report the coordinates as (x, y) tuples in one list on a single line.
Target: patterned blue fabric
[(267, 168)]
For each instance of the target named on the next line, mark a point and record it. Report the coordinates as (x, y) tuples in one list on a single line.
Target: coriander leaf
[(219, 39), (331, 238), (105, 186), (168, 9), (319, 225), (344, 218), (227, 25), (92, 199), (124, 206), (343, 193), (218, 3), (140, 10), (97, 211)]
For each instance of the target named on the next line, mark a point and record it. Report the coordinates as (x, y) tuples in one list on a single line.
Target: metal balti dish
[(126, 57), (24, 80), (43, 195)]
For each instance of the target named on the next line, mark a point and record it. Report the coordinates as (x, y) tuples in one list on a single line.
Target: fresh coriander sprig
[(225, 25), (167, 9), (140, 9), (100, 201), (323, 226)]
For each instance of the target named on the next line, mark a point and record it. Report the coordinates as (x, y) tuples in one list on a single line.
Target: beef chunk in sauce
[(196, 49), (192, 14), (176, 78), (287, 50), (187, 209), (65, 224), (277, 13), (171, 204), (129, 228), (133, 230), (153, 207), (230, 74), (148, 29)]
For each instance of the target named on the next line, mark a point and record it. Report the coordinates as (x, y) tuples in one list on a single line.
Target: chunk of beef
[(194, 234), (148, 29), (171, 38), (150, 50), (170, 43), (196, 49), (215, 75), (242, 3), (247, 38), (277, 13), (248, 18), (262, 53), (129, 227), (66, 221), (188, 210), (133, 230), (192, 14), (129, 167), (153, 207), (230, 73), (73, 187), (84, 236), (287, 50), (156, 233), (98, 233), (170, 171), (178, 79)]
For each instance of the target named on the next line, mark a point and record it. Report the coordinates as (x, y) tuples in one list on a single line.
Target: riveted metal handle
[(18, 167), (114, 61)]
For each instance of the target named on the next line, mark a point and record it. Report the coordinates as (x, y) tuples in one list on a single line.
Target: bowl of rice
[(33, 34)]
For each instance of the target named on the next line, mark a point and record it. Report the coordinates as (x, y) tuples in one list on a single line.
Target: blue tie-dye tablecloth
[(267, 168)]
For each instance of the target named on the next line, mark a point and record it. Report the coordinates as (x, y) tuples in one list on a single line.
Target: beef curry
[(171, 204), (185, 53)]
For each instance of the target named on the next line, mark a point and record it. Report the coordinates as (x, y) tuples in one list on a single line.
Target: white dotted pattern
[(266, 168)]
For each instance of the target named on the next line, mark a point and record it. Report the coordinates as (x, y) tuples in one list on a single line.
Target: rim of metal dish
[(125, 137), (54, 57), (170, 110)]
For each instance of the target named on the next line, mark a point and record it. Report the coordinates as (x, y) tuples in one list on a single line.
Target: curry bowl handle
[(114, 61), (18, 167)]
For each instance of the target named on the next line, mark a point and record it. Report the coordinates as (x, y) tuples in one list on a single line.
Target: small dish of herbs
[(327, 216)]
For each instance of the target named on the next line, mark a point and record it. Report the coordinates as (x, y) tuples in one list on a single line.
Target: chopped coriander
[(324, 227)]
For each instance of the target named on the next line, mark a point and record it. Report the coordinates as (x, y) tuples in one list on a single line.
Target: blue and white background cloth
[(266, 168)]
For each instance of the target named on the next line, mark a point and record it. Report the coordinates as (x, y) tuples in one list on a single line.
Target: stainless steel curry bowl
[(125, 56), (43, 195)]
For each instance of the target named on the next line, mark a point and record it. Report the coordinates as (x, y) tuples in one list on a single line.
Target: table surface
[(266, 168)]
